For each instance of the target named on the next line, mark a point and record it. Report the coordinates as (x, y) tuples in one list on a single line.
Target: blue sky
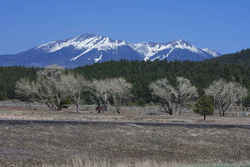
[(223, 25)]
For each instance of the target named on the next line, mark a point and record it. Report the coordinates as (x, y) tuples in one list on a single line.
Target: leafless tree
[(53, 87), (164, 91), (112, 91), (185, 92), (172, 98), (26, 89), (225, 94), (74, 85), (47, 88)]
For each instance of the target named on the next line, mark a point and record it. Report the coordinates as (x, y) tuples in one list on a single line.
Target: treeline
[(242, 58), (140, 74), (8, 78)]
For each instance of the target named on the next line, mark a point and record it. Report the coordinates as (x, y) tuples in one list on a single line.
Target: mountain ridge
[(89, 48), (241, 58)]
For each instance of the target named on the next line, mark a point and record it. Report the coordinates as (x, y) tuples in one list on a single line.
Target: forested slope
[(242, 58), (140, 74)]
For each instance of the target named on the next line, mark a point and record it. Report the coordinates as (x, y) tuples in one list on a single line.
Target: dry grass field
[(35, 144), (106, 145), (128, 114)]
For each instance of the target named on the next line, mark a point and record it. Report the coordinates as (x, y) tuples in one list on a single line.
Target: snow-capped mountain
[(87, 49), (175, 50)]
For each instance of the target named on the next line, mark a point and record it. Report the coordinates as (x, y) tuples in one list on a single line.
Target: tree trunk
[(170, 111), (77, 107), (220, 112), (176, 109), (204, 114), (118, 110), (78, 101), (180, 110), (58, 103), (168, 108), (98, 108)]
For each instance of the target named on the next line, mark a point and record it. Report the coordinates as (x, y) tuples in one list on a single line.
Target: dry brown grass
[(87, 162), (114, 145), (128, 114), (34, 144)]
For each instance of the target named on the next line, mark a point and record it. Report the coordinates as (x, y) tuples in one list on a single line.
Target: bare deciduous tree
[(225, 94), (164, 91), (185, 92), (26, 89), (53, 88), (174, 98), (47, 88), (112, 91), (74, 86)]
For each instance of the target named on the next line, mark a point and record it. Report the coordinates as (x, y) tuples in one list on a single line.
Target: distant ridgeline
[(242, 57), (88, 49), (233, 67)]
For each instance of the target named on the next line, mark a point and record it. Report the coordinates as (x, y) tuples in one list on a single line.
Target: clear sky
[(222, 25)]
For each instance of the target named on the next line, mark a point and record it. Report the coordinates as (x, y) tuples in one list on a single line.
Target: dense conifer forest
[(242, 57)]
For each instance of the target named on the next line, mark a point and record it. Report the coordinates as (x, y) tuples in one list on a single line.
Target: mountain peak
[(90, 48), (84, 36), (180, 43)]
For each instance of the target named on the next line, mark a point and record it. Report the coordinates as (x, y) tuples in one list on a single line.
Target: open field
[(128, 114), (32, 144), (120, 145)]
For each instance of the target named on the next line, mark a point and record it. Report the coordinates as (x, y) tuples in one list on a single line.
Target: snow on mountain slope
[(211, 52), (88, 48), (85, 42), (148, 49), (152, 48)]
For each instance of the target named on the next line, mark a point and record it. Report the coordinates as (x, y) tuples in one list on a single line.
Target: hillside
[(242, 58)]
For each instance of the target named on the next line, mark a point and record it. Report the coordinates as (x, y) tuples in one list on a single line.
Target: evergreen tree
[(204, 106)]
